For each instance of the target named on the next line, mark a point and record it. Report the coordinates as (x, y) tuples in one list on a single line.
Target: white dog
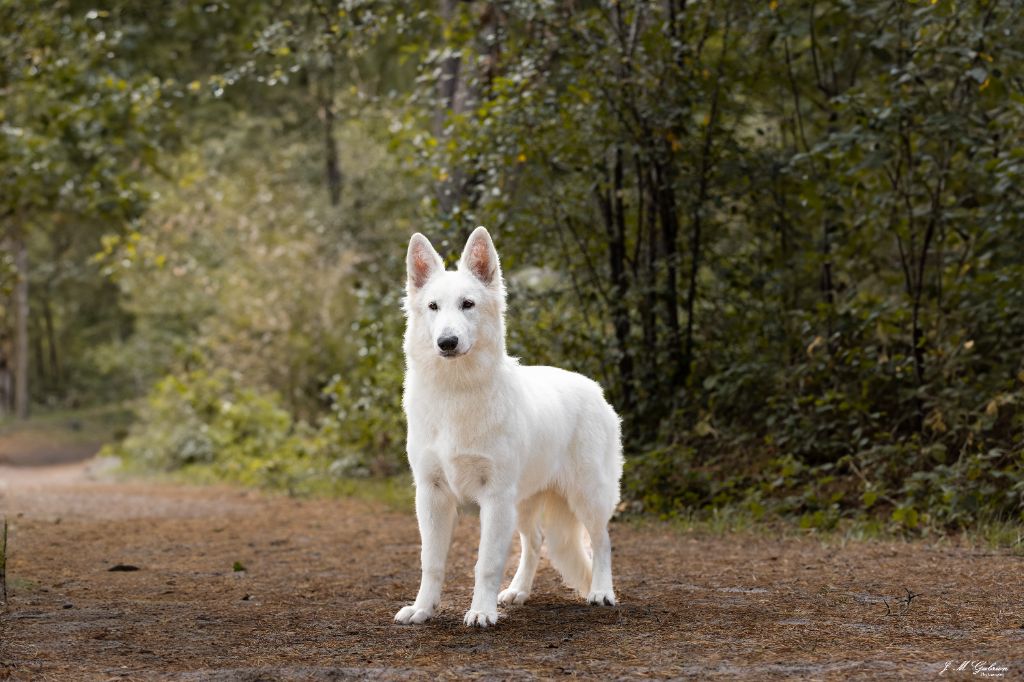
[(538, 448)]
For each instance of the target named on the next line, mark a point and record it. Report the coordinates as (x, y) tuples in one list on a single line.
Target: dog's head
[(451, 312)]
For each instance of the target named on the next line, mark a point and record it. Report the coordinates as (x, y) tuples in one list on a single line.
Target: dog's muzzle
[(448, 346)]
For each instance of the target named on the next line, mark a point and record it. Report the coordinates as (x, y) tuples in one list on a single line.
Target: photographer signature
[(980, 668)]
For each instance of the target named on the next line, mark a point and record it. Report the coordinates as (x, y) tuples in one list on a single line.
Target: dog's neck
[(482, 370)]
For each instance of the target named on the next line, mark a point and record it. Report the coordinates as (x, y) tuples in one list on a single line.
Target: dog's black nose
[(448, 343)]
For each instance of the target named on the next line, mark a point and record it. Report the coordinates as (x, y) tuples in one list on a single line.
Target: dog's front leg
[(435, 513), (497, 521)]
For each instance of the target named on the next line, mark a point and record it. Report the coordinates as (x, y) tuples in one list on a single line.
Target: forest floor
[(218, 583)]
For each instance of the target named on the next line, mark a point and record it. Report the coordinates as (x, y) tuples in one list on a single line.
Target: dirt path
[(322, 580)]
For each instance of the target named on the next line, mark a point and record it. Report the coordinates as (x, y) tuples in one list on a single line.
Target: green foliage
[(786, 237), (780, 236), (210, 426), (366, 402), (188, 420)]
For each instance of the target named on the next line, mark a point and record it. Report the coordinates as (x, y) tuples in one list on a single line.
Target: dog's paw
[(601, 598), (513, 596), (480, 619), (413, 615)]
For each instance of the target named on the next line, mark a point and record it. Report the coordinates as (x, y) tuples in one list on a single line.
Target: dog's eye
[(432, 305), (467, 304)]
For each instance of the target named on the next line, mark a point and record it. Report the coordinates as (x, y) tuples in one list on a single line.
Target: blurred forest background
[(786, 236)]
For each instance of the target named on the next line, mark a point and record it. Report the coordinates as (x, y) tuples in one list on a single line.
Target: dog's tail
[(566, 550)]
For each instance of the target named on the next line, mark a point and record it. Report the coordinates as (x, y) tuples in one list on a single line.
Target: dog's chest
[(460, 440), (458, 457), (460, 461)]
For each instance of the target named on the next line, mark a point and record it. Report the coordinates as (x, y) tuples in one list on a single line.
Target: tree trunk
[(827, 288), (41, 378), (448, 85), (6, 381), (691, 291), (703, 192), (332, 168), (21, 401), (669, 216), (646, 222), (611, 205), (448, 90), (51, 341)]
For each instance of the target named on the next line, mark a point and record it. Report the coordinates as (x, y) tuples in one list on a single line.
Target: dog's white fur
[(538, 448)]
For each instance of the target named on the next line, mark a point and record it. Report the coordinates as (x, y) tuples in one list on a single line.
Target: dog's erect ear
[(480, 257), (422, 261)]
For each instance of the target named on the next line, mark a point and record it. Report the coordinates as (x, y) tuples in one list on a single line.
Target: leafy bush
[(205, 419), (211, 426)]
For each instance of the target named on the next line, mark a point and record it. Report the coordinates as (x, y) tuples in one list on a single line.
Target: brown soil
[(323, 579)]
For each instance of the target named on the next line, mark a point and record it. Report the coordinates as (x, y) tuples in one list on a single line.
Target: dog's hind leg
[(564, 536), (601, 591), (595, 517), (530, 540), (600, 456)]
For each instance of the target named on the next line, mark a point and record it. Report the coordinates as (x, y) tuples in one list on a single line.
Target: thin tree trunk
[(42, 373), (51, 341), (669, 213), (21, 400), (696, 228), (323, 85), (610, 203), (697, 221), (448, 93), (332, 167), (646, 222), (6, 381), (448, 85)]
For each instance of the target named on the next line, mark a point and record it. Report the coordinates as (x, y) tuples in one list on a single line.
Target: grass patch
[(720, 521), (23, 585), (62, 435), (999, 533), (92, 422), (395, 492), (1002, 534)]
